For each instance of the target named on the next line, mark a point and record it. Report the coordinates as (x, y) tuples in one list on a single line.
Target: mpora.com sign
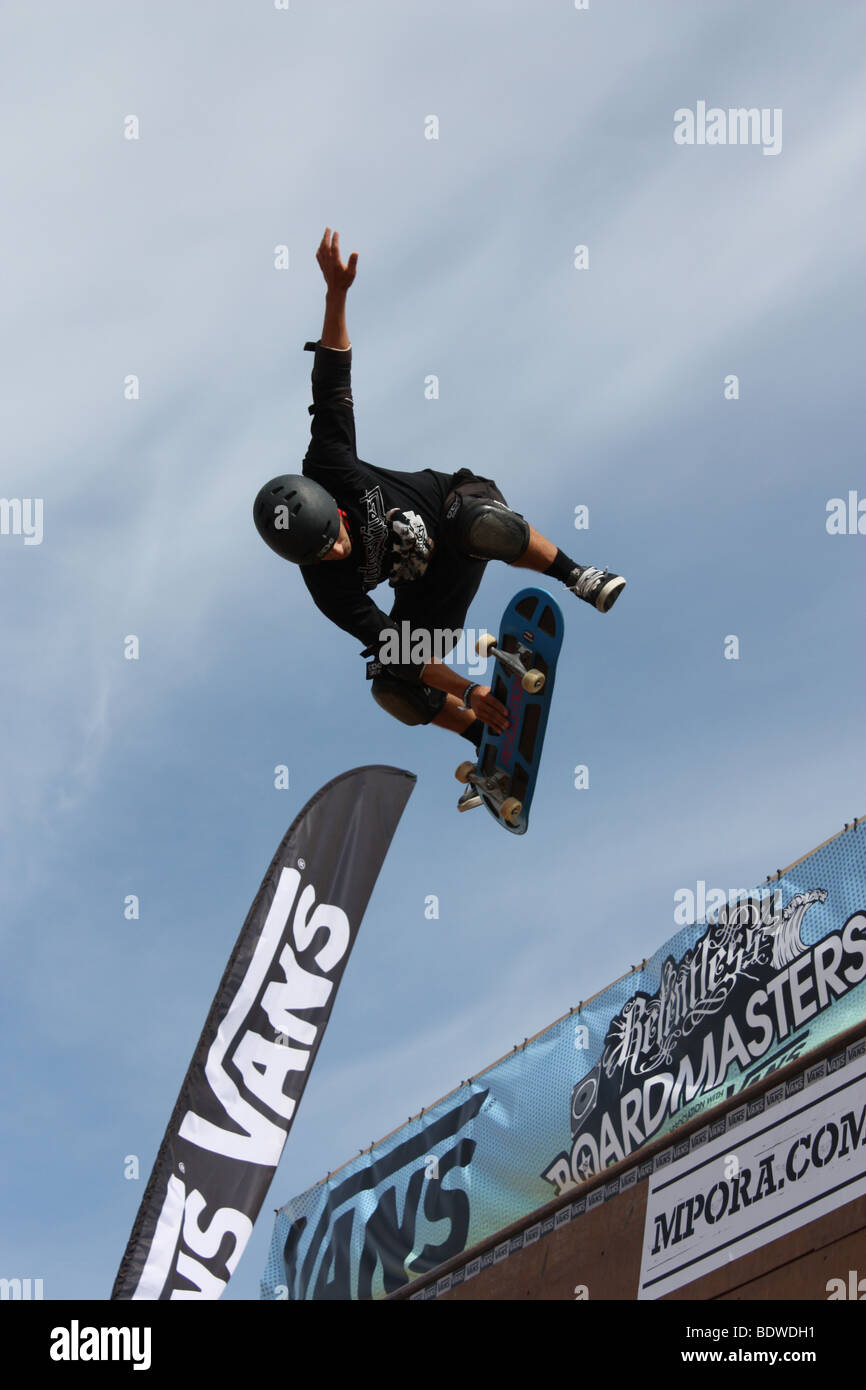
[(783, 1168)]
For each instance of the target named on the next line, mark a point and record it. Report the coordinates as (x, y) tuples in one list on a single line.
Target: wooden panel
[(806, 1278), (601, 1250), (775, 1261)]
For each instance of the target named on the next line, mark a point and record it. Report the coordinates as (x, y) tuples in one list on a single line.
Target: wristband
[(473, 685)]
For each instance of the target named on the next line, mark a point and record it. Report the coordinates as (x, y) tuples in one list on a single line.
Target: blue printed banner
[(758, 981)]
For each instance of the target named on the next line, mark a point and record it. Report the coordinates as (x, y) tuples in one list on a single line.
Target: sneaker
[(598, 587)]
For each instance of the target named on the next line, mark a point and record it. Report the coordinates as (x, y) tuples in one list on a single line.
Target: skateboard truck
[(519, 664), (494, 787)]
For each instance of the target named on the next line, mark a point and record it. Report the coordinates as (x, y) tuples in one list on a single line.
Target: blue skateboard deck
[(504, 775)]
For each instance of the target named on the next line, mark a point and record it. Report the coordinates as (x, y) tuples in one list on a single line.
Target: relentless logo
[(374, 536), (746, 986)]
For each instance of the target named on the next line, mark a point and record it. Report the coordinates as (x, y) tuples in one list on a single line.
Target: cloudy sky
[(154, 258)]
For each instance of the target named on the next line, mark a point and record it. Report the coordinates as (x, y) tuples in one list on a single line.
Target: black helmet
[(297, 518)]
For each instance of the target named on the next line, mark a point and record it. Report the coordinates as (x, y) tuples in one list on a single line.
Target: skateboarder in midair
[(350, 525)]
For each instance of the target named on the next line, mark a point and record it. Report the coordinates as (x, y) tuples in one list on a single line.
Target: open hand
[(488, 709), (337, 276)]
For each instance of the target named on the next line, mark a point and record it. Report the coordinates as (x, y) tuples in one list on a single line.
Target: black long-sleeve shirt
[(340, 588)]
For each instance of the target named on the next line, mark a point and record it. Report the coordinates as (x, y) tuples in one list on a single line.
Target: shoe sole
[(610, 593)]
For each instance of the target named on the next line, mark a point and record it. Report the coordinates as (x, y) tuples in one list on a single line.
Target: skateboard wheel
[(468, 803), (510, 810), (484, 643), (462, 773), (533, 681)]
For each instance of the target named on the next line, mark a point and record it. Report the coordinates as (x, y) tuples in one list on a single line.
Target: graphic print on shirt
[(374, 535), (410, 544)]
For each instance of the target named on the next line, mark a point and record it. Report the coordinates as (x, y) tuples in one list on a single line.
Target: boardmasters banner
[(249, 1070), (760, 979)]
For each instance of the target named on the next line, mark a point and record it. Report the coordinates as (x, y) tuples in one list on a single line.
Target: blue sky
[(601, 387)]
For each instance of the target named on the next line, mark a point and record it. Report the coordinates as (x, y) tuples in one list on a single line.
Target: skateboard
[(503, 777)]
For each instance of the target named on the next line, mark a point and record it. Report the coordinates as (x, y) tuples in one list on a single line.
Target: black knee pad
[(411, 704), (489, 530)]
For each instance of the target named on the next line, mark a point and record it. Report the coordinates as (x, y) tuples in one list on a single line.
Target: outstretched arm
[(338, 278)]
